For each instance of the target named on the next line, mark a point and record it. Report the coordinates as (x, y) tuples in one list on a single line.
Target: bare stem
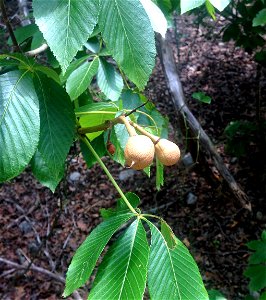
[(101, 163), (39, 270)]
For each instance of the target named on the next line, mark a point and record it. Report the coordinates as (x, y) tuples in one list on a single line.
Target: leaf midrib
[(176, 282), (129, 259)]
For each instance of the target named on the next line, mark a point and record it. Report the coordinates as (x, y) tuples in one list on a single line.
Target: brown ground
[(215, 228)]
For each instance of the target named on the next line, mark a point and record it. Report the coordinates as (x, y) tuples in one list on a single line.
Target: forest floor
[(202, 212)]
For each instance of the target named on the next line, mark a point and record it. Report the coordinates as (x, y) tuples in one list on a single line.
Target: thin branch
[(34, 268), (135, 109), (8, 25)]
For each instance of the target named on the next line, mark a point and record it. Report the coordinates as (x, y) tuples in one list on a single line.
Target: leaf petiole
[(101, 163)]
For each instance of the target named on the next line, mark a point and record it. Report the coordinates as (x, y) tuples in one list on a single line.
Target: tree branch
[(40, 270), (8, 25), (175, 86)]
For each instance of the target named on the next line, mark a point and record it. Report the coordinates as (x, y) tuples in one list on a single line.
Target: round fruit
[(167, 152), (139, 152)]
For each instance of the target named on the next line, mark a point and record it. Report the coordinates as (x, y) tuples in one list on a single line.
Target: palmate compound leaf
[(66, 25), (172, 273), (123, 272), (88, 253), (129, 37), (19, 123), (57, 123)]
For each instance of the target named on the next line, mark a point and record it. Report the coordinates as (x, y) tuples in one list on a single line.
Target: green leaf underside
[(66, 25), (88, 253), (110, 82), (123, 272), (220, 4), (156, 16), (172, 273), (80, 79), (187, 5), (130, 38), (44, 174), (19, 123), (57, 123)]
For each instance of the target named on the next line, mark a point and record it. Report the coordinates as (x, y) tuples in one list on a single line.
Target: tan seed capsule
[(139, 152), (167, 152)]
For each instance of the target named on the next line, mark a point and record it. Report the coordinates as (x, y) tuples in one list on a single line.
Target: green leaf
[(157, 18), (98, 145), (73, 66), (123, 272), (109, 81), (19, 123), (172, 273), (66, 25), (119, 152), (24, 32), (187, 5), (121, 134), (263, 296), (94, 114), (37, 40), (88, 253), (80, 79), (168, 235), (121, 206), (257, 276), (260, 18), (220, 4), (210, 9), (263, 235), (202, 97), (215, 295), (130, 38), (259, 256), (44, 174), (57, 123), (48, 72), (159, 174), (26, 62)]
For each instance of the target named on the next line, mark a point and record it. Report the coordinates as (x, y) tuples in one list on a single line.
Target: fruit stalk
[(154, 138), (131, 131)]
